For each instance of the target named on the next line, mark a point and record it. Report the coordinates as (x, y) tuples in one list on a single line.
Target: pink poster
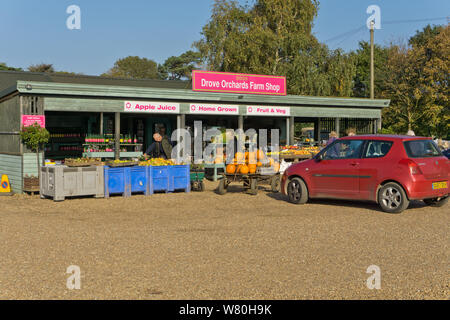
[(238, 83), (28, 120)]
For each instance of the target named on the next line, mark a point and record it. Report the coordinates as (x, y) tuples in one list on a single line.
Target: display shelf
[(111, 154)]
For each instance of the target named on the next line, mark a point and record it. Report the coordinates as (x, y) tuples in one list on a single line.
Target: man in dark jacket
[(161, 147)]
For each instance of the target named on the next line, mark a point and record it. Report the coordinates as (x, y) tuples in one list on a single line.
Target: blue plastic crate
[(180, 178), (159, 178), (117, 181), (140, 181)]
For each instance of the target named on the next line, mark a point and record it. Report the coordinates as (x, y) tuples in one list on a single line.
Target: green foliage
[(34, 137), (4, 67), (177, 68), (417, 84), (134, 67), (274, 37), (361, 87), (387, 130), (43, 67)]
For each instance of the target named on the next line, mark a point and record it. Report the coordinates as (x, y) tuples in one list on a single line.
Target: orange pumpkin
[(252, 168), (231, 169), (244, 169), (276, 166), (252, 158), (240, 157), (260, 154), (259, 164)]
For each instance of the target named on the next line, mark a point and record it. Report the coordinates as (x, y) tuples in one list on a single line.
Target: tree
[(35, 137), (3, 66), (274, 37), (42, 67), (417, 85), (177, 68), (134, 67), (361, 87)]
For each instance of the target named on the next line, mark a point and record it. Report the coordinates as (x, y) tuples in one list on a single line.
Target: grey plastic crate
[(60, 182)]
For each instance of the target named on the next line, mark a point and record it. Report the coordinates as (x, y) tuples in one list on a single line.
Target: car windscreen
[(422, 149)]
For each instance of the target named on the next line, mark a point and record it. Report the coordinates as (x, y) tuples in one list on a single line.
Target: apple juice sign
[(151, 107), (238, 83)]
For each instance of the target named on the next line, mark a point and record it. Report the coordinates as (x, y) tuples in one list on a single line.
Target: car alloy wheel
[(297, 191), (392, 198)]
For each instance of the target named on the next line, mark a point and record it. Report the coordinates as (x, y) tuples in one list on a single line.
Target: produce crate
[(121, 164), (140, 179), (60, 182), (117, 181), (85, 163), (160, 178), (31, 184), (180, 178)]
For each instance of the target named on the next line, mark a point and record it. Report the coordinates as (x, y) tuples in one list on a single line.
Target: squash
[(231, 169), (252, 168), (244, 169)]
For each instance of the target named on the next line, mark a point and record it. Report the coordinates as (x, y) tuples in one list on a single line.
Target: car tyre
[(297, 191), (392, 198), (435, 202)]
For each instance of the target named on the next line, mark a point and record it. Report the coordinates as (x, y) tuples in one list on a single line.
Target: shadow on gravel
[(346, 203)]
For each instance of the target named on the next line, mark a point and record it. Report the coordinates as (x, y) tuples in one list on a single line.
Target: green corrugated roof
[(9, 79)]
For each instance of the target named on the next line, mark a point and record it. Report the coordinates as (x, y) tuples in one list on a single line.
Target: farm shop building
[(76, 107)]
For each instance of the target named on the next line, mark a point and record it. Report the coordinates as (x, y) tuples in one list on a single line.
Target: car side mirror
[(319, 157)]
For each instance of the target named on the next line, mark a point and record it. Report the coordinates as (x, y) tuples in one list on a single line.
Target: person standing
[(161, 147)]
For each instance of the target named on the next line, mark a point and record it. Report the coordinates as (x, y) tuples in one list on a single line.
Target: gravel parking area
[(206, 246)]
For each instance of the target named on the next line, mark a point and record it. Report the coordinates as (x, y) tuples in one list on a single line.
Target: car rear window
[(422, 149)]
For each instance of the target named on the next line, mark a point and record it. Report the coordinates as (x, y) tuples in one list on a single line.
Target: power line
[(353, 32)]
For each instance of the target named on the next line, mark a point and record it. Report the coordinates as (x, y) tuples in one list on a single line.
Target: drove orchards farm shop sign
[(238, 83), (151, 107)]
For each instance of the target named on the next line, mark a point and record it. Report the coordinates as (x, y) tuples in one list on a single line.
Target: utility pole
[(372, 73)]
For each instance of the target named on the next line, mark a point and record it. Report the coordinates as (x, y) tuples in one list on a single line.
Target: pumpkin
[(231, 169), (276, 166), (252, 158), (240, 156), (259, 164), (260, 154), (244, 169), (252, 168)]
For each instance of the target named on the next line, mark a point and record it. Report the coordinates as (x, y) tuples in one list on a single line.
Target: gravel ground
[(207, 246)]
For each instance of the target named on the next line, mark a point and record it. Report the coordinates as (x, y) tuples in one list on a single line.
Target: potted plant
[(35, 137)]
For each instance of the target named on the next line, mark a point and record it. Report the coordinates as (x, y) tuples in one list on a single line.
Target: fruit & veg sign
[(151, 107), (238, 83), (268, 111)]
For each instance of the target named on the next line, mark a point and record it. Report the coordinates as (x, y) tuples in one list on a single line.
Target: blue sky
[(35, 31)]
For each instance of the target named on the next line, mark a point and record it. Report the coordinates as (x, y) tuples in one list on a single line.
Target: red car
[(388, 169)]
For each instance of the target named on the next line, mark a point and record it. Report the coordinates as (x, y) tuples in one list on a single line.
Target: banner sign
[(151, 107), (28, 120), (238, 83), (268, 111), (221, 109)]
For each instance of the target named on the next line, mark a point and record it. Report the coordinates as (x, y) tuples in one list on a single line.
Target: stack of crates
[(146, 179)]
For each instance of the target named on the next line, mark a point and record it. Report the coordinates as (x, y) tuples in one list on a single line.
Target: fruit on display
[(252, 168), (244, 169), (297, 150), (218, 160), (231, 169), (157, 162)]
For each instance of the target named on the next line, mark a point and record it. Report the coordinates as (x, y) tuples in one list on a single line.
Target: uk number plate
[(440, 185)]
